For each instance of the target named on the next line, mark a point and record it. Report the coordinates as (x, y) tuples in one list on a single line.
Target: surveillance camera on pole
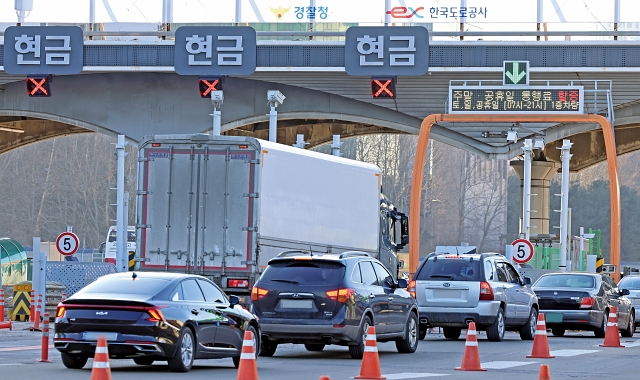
[(217, 97), (274, 98)]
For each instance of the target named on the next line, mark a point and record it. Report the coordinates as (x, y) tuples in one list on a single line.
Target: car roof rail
[(353, 254), (483, 255)]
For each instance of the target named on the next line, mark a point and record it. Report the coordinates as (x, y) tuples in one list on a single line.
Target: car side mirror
[(526, 281), (233, 301), (402, 283), (625, 292)]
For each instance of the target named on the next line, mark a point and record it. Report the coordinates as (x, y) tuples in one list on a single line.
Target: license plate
[(553, 317), (94, 335), (442, 293), (296, 304)]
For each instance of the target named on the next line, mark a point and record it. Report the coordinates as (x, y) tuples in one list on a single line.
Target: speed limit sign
[(67, 243), (522, 251)]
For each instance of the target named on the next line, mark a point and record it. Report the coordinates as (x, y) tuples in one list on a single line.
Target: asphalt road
[(577, 356)]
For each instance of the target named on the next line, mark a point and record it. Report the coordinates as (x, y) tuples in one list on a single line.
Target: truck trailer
[(222, 206)]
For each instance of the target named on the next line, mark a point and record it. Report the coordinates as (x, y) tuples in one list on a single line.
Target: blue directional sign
[(43, 50)]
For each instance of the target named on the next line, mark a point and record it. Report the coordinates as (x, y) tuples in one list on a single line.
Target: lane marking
[(566, 353), (503, 364), (410, 375), (635, 343)]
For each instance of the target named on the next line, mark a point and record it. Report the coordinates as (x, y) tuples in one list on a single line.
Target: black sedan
[(149, 316), (582, 301)]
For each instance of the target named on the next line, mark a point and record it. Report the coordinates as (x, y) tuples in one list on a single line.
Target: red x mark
[(383, 87), (38, 86), (210, 86)]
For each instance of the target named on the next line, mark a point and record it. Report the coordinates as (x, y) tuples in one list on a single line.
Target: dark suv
[(318, 299)]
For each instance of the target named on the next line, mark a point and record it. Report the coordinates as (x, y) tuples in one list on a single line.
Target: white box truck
[(222, 206)]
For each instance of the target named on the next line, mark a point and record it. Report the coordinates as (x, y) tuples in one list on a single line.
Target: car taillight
[(258, 293), (412, 288), (155, 314), (486, 293), (340, 295), (60, 311), (236, 283), (587, 303)]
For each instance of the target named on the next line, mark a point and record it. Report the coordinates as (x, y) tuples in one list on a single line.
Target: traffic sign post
[(522, 251), (67, 243)]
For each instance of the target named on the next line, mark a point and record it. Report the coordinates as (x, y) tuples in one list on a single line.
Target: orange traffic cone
[(540, 343), (247, 370), (101, 369), (325, 378), (611, 335), (370, 369), (471, 356), (544, 372)]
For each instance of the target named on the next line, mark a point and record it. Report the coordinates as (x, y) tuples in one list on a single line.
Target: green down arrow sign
[(516, 72)]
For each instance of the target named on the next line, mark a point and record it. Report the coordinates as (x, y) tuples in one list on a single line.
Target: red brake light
[(412, 288), (453, 257), (486, 293), (156, 145), (587, 303), (156, 315), (258, 293), (60, 311), (341, 295), (235, 283), (243, 146)]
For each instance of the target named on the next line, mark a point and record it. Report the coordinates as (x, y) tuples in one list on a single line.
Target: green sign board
[(515, 73)]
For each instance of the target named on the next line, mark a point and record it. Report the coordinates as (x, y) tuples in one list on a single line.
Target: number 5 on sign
[(67, 243), (522, 251)]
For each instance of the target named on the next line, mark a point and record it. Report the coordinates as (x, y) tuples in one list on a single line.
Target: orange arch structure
[(421, 150)]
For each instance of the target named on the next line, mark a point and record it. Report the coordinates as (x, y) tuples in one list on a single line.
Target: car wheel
[(423, 333), (183, 358), (556, 331), (268, 348), (409, 343), (256, 346), (143, 361), (314, 347), (356, 351), (528, 330), (495, 332), (599, 333), (451, 332), (73, 361), (631, 327)]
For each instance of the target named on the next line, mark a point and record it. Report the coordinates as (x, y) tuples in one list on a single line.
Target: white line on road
[(411, 375), (503, 364), (635, 343), (566, 353)]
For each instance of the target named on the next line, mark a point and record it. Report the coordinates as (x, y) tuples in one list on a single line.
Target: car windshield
[(565, 281), (305, 272), (453, 269), (630, 283)]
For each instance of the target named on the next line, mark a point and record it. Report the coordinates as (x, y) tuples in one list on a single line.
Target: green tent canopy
[(13, 261)]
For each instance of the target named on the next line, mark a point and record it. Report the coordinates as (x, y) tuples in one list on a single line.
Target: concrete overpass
[(131, 88)]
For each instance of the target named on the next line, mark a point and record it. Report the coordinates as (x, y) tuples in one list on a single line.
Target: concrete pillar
[(541, 174)]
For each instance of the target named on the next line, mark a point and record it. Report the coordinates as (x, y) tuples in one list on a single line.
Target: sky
[(594, 14)]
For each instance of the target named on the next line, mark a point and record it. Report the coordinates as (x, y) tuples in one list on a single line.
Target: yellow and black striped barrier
[(132, 261), (599, 264), (21, 302)]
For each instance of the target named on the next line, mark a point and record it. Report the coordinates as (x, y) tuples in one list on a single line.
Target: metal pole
[(35, 270), (539, 18), (120, 220), (92, 15), (216, 121), (42, 283), (387, 7), (125, 239), (564, 209), (581, 245), (273, 123), (335, 147), (526, 191), (616, 17), (238, 12), (463, 4), (300, 141)]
